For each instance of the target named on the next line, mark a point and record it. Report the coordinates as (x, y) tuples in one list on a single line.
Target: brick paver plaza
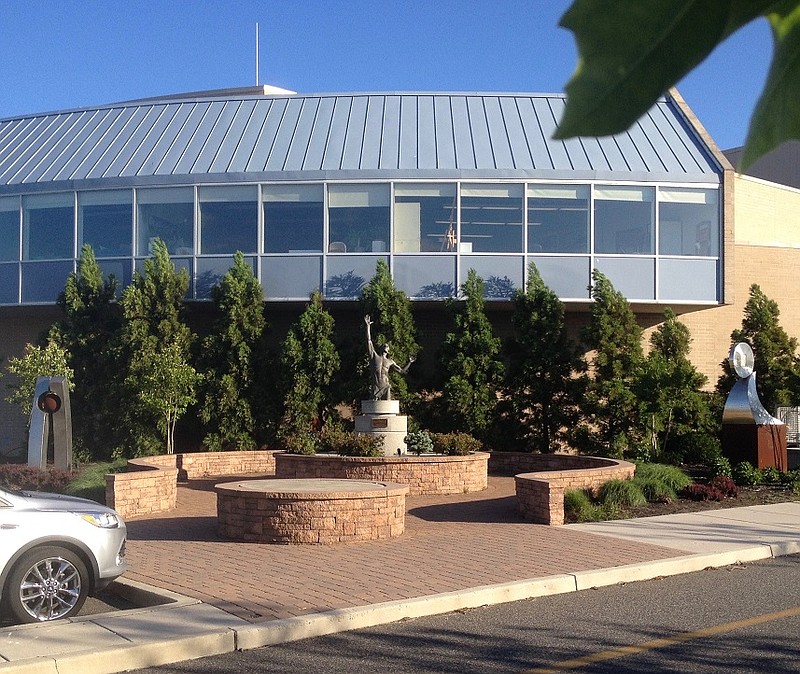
[(450, 543)]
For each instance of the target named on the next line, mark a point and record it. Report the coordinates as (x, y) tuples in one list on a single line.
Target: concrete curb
[(231, 634)]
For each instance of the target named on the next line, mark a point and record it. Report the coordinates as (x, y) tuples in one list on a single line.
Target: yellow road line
[(623, 651)]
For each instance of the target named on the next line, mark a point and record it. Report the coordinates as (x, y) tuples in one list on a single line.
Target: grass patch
[(671, 476), (621, 493), (579, 507), (90, 482)]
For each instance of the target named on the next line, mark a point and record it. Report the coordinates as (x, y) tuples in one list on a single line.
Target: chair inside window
[(337, 247)]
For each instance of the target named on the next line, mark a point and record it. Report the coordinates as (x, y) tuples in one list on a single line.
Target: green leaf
[(631, 52), (777, 114)]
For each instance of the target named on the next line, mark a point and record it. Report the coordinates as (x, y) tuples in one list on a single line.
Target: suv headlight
[(101, 519)]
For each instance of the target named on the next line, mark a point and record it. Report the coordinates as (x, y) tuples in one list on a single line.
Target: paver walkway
[(450, 543)]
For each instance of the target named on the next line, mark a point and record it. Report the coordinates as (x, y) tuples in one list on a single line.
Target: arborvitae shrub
[(361, 445)]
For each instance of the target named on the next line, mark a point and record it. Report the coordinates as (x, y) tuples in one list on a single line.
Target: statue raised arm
[(380, 364)]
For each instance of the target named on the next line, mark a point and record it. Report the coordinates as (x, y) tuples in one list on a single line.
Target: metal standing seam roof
[(338, 136)]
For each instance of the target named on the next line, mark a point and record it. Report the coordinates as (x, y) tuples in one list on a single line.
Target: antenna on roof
[(256, 53)]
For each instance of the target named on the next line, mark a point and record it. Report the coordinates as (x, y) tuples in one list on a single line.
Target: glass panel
[(121, 269), (623, 220), (688, 280), (568, 277), (633, 277), (105, 221), (293, 216), (210, 271), (358, 218), (48, 227), (9, 228), (290, 278), (228, 220), (427, 277), (44, 281), (424, 218), (501, 275), (347, 275), (166, 214), (558, 219), (9, 283), (688, 222), (491, 218)]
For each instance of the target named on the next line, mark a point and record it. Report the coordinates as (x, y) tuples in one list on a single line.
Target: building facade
[(315, 189)]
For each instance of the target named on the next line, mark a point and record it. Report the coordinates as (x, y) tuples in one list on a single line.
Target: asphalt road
[(744, 618)]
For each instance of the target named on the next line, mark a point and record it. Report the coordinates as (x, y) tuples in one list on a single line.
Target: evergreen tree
[(91, 319), (542, 386), (229, 355), (152, 307), (309, 361), (393, 324), (611, 426), (673, 407), (776, 362), (469, 358)]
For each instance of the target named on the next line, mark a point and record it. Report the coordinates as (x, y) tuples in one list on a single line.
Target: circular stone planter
[(426, 474), (310, 511)]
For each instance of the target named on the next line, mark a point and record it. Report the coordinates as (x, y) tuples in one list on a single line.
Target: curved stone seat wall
[(423, 474), (541, 494), (150, 483), (310, 511)]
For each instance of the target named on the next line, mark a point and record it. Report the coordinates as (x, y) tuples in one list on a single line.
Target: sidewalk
[(457, 552)]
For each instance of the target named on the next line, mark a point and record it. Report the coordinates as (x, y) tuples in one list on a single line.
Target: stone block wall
[(150, 484), (424, 474), (541, 494), (311, 518)]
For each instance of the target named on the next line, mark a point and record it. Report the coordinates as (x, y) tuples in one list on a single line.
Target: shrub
[(20, 476), (745, 473), (361, 445), (419, 442), (726, 485), (702, 492), (621, 493), (455, 444), (672, 476), (719, 465), (299, 443), (771, 474)]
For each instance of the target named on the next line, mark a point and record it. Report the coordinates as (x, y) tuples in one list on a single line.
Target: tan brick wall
[(311, 518), (423, 475), (541, 494), (150, 485)]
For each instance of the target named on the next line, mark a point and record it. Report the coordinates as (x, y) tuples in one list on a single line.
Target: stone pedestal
[(762, 445), (383, 418)]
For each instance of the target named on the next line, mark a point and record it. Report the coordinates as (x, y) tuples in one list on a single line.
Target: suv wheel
[(47, 583)]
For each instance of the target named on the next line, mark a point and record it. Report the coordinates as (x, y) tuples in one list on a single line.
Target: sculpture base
[(761, 445), (382, 418)]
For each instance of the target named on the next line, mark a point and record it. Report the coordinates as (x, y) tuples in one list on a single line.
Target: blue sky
[(61, 54)]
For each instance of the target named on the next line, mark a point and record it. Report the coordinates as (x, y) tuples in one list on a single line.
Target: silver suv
[(55, 551)]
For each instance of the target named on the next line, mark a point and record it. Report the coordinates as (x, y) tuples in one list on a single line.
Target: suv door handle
[(9, 526)]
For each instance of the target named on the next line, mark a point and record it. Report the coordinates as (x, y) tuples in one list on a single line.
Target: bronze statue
[(380, 364)]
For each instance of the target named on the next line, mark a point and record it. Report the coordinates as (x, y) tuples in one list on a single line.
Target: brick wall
[(150, 485), (541, 494), (423, 474)]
